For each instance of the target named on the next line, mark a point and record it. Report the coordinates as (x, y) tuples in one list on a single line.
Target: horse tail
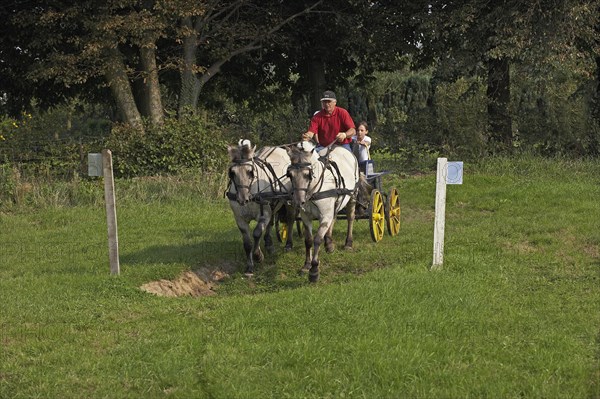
[(364, 190)]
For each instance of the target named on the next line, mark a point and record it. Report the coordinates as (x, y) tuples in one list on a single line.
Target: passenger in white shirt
[(363, 143)]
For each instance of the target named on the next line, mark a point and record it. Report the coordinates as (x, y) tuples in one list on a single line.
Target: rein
[(274, 181), (315, 193)]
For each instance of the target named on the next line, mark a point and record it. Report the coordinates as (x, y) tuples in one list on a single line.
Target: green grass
[(513, 313)]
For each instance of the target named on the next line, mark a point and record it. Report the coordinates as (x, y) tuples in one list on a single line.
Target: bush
[(178, 145), (8, 183), (52, 144)]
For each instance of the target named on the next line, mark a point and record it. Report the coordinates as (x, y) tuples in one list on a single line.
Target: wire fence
[(57, 158), (64, 158)]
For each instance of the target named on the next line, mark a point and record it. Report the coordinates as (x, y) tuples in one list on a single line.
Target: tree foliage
[(125, 45), (470, 38), (150, 59)]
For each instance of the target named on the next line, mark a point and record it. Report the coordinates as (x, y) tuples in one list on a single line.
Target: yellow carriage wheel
[(377, 221), (281, 229), (282, 232), (393, 207)]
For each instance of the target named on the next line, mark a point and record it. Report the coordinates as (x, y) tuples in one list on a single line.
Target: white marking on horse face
[(306, 146), (244, 143)]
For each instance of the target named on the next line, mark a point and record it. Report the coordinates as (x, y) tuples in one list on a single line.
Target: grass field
[(513, 313)]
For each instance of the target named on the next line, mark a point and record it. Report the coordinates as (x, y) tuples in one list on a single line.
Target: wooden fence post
[(111, 212), (440, 214)]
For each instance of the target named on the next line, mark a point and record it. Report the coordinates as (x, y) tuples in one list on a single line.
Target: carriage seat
[(367, 167)]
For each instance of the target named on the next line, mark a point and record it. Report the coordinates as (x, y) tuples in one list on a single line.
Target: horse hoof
[(259, 257), (330, 249), (287, 248), (313, 277), (248, 274), (348, 248), (304, 270)]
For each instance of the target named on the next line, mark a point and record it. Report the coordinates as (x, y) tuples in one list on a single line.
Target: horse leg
[(324, 226), (329, 244), (290, 218), (247, 239), (258, 232), (308, 243), (350, 213), (268, 238)]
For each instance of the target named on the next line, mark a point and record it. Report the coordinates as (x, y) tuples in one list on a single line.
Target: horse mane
[(301, 153), (244, 150)]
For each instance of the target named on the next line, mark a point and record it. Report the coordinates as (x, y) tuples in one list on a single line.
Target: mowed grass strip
[(514, 311)]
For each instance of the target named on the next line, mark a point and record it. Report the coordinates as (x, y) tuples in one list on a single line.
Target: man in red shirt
[(331, 124)]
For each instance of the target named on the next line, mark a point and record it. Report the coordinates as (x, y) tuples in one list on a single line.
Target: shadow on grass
[(224, 261), (199, 254)]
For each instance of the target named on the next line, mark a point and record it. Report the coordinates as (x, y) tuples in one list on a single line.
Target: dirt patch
[(195, 283), (592, 250)]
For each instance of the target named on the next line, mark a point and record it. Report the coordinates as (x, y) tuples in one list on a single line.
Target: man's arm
[(308, 135), (346, 122), (341, 136), (313, 127)]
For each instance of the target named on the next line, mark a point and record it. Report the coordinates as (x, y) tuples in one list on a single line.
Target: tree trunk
[(190, 84), (117, 79), (151, 83), (498, 94), (596, 99), (594, 137), (316, 80), (372, 116)]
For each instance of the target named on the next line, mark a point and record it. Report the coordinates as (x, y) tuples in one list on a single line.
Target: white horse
[(258, 187), (321, 187)]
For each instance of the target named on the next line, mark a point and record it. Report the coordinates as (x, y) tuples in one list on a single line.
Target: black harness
[(263, 196), (340, 184)]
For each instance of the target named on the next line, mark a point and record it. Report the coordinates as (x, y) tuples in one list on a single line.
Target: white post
[(440, 214), (111, 212)]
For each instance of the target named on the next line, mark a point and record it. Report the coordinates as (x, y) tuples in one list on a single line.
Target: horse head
[(301, 171), (242, 172)]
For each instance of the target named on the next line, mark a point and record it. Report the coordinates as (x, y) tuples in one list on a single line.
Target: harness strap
[(230, 196), (265, 166), (341, 181), (262, 196), (318, 186), (276, 183), (334, 192)]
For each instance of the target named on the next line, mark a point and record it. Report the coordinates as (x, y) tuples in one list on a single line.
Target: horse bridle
[(305, 166), (238, 163)]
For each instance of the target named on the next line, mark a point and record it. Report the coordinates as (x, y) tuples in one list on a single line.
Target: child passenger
[(363, 143)]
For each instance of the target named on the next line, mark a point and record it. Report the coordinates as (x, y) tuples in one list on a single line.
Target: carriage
[(382, 210), (316, 185)]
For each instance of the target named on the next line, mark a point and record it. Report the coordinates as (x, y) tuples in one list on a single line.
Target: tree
[(132, 41), (347, 39), (468, 37), (17, 56), (316, 51)]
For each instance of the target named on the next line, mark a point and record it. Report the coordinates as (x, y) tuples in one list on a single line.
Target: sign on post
[(455, 173), (95, 165), (447, 173)]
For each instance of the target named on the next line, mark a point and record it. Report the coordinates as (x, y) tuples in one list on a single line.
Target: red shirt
[(326, 126)]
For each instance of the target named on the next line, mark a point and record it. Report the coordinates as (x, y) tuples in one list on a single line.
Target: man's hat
[(328, 96)]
